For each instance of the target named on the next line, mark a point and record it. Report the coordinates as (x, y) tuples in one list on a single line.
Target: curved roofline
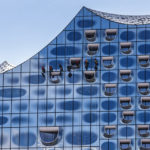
[(123, 19), (44, 46)]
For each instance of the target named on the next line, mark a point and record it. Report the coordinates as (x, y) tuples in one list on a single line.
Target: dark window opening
[(90, 35), (89, 76), (110, 89), (110, 34), (125, 102), (92, 49), (108, 62), (109, 131), (126, 47), (127, 116)]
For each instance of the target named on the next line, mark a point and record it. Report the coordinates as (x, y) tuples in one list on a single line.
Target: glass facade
[(88, 89)]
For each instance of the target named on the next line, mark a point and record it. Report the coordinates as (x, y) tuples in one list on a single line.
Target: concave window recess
[(49, 136), (126, 75), (92, 49), (143, 60), (126, 47), (125, 102), (90, 35), (110, 34), (75, 63), (127, 116), (109, 89), (145, 144), (89, 76), (125, 144), (143, 130), (145, 102), (108, 62), (109, 131), (143, 88)]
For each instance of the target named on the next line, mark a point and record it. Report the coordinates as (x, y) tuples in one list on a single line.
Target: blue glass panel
[(70, 26), (63, 119), (34, 65), (108, 117), (87, 90), (91, 104), (127, 90), (127, 35), (4, 107), (69, 105), (35, 79), (74, 36), (19, 119), (25, 66), (109, 76), (129, 62), (21, 107), (108, 104), (3, 139), (144, 48), (109, 49), (44, 106), (144, 34), (13, 80), (143, 117), (81, 138), (12, 92), (63, 91), (144, 75), (43, 53), (105, 23), (3, 120), (46, 120), (61, 38), (75, 78), (108, 146), (86, 12), (24, 139), (86, 23), (90, 117), (65, 51), (126, 131)]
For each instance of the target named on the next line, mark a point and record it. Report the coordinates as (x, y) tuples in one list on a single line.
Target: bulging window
[(143, 60), (143, 130), (125, 47), (125, 102), (75, 63), (110, 34), (145, 144), (49, 135), (108, 62), (109, 131), (143, 88), (125, 144), (126, 75), (55, 76), (92, 49), (110, 89), (89, 76), (90, 35), (145, 102), (127, 116)]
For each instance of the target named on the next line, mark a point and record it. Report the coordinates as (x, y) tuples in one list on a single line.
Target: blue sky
[(26, 26)]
